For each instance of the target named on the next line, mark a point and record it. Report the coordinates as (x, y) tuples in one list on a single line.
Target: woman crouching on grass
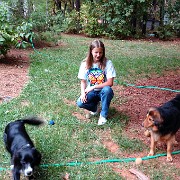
[(97, 74)]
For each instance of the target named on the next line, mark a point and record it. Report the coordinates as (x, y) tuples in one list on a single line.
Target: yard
[(44, 82)]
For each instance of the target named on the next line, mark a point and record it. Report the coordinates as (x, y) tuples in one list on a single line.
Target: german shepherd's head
[(153, 119)]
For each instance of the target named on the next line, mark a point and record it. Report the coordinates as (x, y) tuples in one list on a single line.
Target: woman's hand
[(84, 94), (88, 89), (83, 97)]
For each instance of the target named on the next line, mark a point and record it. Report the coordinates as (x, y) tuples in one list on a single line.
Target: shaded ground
[(14, 76)]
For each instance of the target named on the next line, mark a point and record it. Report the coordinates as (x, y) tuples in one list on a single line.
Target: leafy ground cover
[(49, 88)]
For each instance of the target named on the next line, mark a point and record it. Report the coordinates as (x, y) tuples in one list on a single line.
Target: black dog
[(24, 156)]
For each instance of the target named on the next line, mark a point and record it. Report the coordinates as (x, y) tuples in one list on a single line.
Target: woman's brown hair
[(89, 58)]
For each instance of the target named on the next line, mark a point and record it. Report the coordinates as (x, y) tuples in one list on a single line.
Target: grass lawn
[(51, 93)]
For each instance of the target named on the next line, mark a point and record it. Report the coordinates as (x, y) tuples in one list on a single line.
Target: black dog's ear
[(37, 156), (16, 173), (5, 141), (16, 159), (5, 138)]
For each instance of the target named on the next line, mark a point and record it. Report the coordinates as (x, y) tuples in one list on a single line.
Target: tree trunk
[(78, 18), (134, 19), (162, 3), (77, 4), (153, 19), (21, 8), (58, 4), (47, 12), (65, 6), (134, 23), (144, 24)]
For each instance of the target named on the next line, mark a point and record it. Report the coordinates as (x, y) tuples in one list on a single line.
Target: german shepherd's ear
[(156, 118), (153, 112)]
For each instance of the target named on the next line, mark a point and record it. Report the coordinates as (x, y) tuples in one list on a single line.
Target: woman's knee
[(79, 103), (108, 90)]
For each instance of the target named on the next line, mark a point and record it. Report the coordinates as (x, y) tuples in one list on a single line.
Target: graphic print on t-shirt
[(95, 76)]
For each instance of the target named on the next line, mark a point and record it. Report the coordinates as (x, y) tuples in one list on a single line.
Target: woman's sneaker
[(102, 120), (91, 114)]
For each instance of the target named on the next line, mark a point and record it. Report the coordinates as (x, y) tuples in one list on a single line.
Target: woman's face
[(97, 54)]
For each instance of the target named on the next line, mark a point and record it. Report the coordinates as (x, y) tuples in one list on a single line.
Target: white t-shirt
[(95, 75)]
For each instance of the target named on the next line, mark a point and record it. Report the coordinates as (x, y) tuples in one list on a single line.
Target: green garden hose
[(152, 87), (100, 161)]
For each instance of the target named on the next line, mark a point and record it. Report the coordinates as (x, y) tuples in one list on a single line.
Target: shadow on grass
[(45, 173), (117, 117)]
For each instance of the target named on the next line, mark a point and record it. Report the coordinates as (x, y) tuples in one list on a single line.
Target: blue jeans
[(93, 97)]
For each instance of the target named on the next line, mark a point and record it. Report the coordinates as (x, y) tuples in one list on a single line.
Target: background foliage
[(117, 19)]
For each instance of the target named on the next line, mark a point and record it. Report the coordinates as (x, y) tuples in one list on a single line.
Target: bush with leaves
[(166, 32), (70, 22), (10, 34), (6, 29), (173, 11), (24, 35), (40, 21), (56, 22), (111, 18), (90, 19), (118, 18)]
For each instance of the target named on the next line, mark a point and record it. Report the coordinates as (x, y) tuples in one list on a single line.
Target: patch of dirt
[(13, 73), (14, 76), (14, 70)]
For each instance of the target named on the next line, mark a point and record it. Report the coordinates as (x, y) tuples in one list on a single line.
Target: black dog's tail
[(32, 121)]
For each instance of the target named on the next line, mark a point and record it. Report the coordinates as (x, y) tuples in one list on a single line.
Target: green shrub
[(6, 30), (5, 42), (56, 23), (89, 20), (24, 35), (166, 32), (11, 35), (109, 19), (48, 36), (177, 27), (39, 21), (71, 22)]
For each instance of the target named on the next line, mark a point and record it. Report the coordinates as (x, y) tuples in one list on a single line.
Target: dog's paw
[(175, 143), (151, 153), (147, 133), (169, 158)]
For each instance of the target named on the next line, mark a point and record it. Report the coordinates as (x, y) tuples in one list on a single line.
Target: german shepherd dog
[(162, 123), (24, 155)]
